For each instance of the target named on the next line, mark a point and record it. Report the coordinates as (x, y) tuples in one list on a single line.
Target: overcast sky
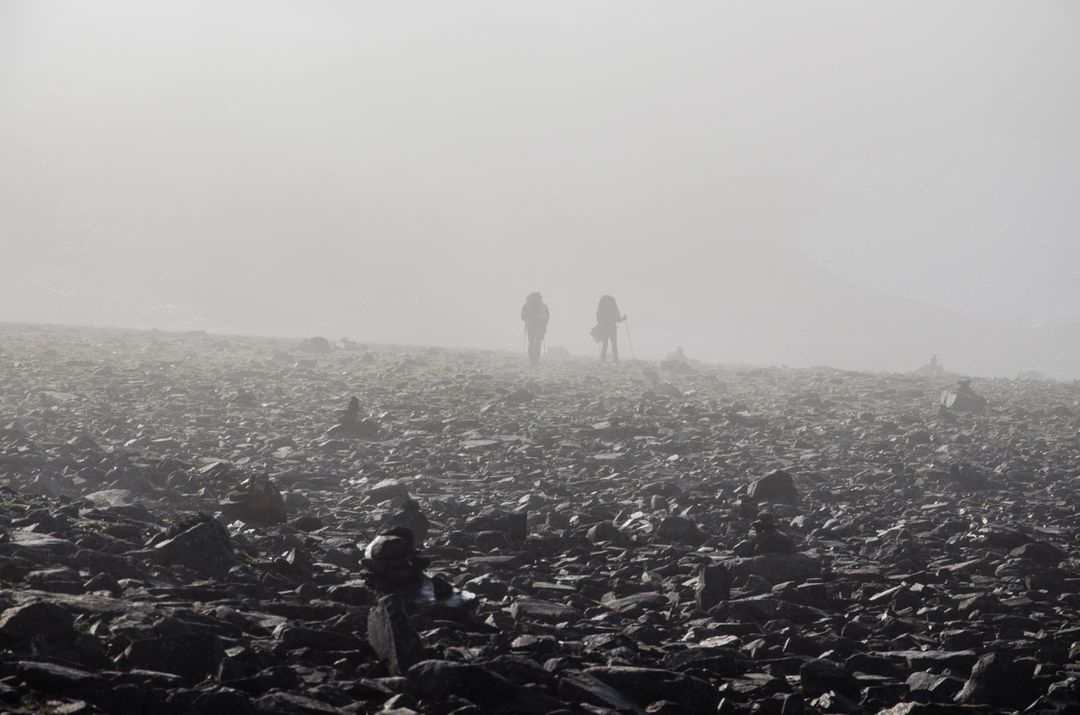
[(796, 182)]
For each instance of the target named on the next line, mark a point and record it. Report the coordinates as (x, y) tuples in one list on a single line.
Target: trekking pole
[(629, 339)]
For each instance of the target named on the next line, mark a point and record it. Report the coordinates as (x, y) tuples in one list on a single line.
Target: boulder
[(775, 487), (315, 346), (648, 685), (776, 568), (712, 586), (997, 680), (204, 546), (392, 636), (819, 676), (680, 530), (19, 624)]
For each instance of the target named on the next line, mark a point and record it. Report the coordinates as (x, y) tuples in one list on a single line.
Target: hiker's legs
[(535, 341), (615, 346), (603, 349)]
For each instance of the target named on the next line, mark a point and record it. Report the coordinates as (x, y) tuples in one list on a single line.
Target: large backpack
[(534, 310), (607, 311)]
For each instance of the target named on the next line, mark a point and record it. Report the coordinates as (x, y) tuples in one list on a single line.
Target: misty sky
[(797, 182)]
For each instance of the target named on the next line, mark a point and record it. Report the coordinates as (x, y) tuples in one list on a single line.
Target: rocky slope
[(598, 539)]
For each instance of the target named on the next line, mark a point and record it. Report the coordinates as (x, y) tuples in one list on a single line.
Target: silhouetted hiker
[(607, 319), (536, 315)]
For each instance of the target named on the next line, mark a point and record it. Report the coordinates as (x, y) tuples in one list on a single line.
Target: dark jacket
[(536, 316)]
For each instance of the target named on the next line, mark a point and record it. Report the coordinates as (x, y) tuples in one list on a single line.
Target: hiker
[(607, 319), (535, 315)]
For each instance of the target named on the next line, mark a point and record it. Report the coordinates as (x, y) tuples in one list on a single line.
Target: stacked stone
[(391, 563), (767, 539), (352, 425)]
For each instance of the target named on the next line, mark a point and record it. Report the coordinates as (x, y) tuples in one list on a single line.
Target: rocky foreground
[(580, 538)]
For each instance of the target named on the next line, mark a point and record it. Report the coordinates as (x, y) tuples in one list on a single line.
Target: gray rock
[(819, 676), (435, 681), (192, 656), (997, 680), (775, 487), (712, 586), (647, 685), (576, 686), (535, 609), (680, 530), (1039, 551), (639, 602), (392, 636), (19, 624), (776, 568), (222, 700), (293, 637), (604, 531), (205, 547), (286, 703), (53, 677), (316, 346)]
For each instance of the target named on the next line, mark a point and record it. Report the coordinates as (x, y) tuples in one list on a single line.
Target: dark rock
[(222, 700), (776, 568), (767, 539), (204, 546), (277, 701), (941, 687), (579, 687), (352, 426), (410, 517), (604, 531), (647, 685), (936, 660), (680, 530), (713, 585), (262, 504), (293, 637), (388, 489), (997, 680), (391, 562), (53, 677), (535, 609), (963, 398), (392, 636), (1039, 551), (833, 702), (775, 487), (435, 681), (192, 656), (316, 346), (354, 593), (519, 396), (521, 670), (638, 603), (20, 624), (512, 524), (819, 676)]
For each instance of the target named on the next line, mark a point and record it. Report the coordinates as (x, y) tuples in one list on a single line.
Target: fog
[(857, 184)]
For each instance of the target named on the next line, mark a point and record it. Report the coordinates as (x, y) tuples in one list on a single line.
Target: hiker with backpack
[(607, 329), (535, 316)]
